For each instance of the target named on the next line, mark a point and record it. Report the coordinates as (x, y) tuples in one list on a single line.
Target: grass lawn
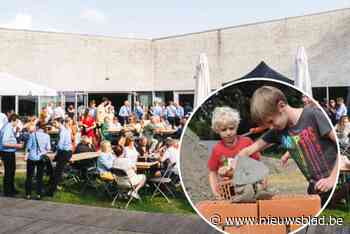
[(71, 194), (340, 211)]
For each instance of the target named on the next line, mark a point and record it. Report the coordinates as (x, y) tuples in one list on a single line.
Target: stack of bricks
[(279, 207)]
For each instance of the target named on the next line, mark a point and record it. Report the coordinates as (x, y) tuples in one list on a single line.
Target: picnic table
[(118, 131), (162, 134), (53, 132), (77, 157), (145, 165), (115, 130), (167, 131)]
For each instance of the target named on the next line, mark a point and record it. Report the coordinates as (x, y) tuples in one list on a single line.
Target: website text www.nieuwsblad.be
[(216, 219)]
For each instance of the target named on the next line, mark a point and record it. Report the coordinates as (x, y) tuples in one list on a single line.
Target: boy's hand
[(325, 184), (216, 194), (284, 160), (264, 183)]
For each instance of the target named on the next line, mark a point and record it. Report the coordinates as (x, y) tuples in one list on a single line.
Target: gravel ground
[(194, 172)]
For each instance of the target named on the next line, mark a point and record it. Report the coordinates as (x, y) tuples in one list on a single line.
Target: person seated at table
[(88, 125), (343, 130), (123, 163), (343, 190), (171, 155), (180, 128), (130, 151), (121, 140), (110, 111), (85, 145), (73, 126), (101, 111), (146, 119), (105, 134), (134, 125), (44, 116), (114, 124), (71, 111), (105, 161), (151, 130), (143, 147), (164, 124)]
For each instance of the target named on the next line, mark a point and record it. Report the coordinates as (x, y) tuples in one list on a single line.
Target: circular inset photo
[(259, 156)]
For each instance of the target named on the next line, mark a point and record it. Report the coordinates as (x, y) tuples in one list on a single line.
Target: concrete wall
[(77, 62), (80, 62), (235, 51)]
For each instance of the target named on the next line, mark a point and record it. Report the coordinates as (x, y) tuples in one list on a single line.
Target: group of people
[(128, 134), (125, 155), (36, 147), (335, 109), (304, 133), (338, 114)]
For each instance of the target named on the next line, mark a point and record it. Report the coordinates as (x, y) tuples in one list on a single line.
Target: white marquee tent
[(12, 85)]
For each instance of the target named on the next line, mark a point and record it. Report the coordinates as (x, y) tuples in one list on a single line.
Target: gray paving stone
[(9, 224), (48, 217), (325, 230), (35, 227)]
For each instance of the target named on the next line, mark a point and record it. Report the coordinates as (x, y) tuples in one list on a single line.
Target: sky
[(150, 19)]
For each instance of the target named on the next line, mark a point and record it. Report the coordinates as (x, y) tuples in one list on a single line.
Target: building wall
[(77, 62), (235, 51), (80, 62)]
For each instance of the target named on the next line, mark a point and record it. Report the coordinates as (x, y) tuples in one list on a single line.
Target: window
[(8, 103), (27, 105)]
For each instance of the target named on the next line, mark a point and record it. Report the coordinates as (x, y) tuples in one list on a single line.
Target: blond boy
[(225, 122)]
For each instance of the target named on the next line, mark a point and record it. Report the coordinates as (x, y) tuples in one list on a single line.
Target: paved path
[(39, 217), (29, 216)]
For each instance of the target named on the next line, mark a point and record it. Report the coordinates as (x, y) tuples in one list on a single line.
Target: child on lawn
[(304, 132)]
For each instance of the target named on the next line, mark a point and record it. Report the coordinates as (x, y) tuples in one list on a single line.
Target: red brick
[(225, 209), (290, 206), (257, 229)]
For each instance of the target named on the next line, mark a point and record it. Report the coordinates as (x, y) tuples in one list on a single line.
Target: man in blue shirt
[(138, 110), (171, 113), (37, 147), (341, 109), (64, 154), (3, 120), (157, 109), (180, 113), (124, 113), (8, 147)]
